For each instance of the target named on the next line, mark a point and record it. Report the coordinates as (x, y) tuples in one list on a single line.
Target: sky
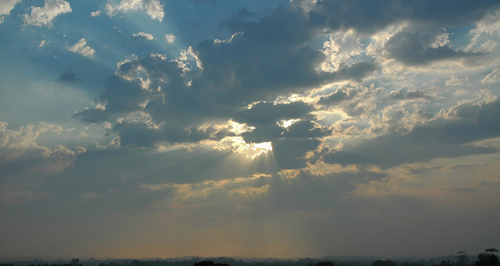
[(262, 128)]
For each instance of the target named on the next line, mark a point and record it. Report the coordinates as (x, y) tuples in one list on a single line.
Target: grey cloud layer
[(369, 16), (440, 138), (269, 57), (249, 68), (416, 49)]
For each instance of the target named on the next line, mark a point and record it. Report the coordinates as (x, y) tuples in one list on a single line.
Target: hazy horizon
[(221, 258)]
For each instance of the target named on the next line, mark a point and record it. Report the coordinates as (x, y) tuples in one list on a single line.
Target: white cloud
[(22, 158), (41, 16), (340, 49), (493, 77), (43, 43), (485, 29), (152, 7), (22, 143), (170, 38), (460, 92), (5, 7), (454, 81), (95, 13), (144, 35), (82, 48)]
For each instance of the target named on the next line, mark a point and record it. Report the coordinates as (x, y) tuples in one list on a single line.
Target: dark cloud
[(69, 77), (263, 133), (143, 135), (290, 144), (368, 16), (120, 97), (413, 170), (270, 113), (291, 154), (268, 58), (415, 49), (244, 72), (337, 97), (465, 165), (409, 95), (286, 26), (306, 129), (439, 138)]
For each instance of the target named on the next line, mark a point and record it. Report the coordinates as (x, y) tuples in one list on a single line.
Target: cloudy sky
[(263, 128)]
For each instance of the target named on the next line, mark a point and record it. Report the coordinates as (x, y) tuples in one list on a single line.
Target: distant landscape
[(487, 258)]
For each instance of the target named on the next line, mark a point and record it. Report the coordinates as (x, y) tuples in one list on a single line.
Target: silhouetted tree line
[(483, 259), (487, 259), (45, 264)]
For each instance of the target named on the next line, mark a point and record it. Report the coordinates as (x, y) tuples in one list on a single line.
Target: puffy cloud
[(358, 101), (82, 48), (15, 144), (160, 101), (492, 77), (269, 123), (485, 30), (152, 7), (235, 74), (439, 138), (170, 38), (95, 13), (125, 93), (259, 65), (454, 81), (144, 35), (43, 43), (338, 97), (41, 16), (468, 109), (269, 57), (6, 7), (23, 162), (340, 50)]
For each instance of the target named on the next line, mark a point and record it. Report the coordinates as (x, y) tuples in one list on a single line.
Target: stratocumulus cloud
[(82, 48), (6, 7), (152, 7), (43, 16)]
